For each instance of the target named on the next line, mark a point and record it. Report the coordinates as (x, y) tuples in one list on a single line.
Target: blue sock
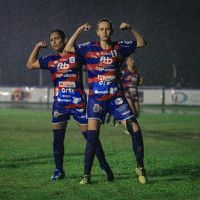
[(99, 154), (58, 147), (138, 147), (92, 140)]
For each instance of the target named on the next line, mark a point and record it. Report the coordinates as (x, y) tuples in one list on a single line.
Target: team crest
[(97, 108), (118, 101), (56, 114), (76, 100)]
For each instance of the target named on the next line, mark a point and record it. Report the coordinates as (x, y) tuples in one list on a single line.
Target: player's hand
[(42, 44), (85, 27), (125, 26)]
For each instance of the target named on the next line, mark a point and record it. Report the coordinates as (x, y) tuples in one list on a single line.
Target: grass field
[(172, 158)]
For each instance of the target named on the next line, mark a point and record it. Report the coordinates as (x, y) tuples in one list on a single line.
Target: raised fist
[(42, 44), (86, 27), (125, 26)]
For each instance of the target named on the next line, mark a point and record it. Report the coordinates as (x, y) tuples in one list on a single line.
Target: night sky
[(171, 28)]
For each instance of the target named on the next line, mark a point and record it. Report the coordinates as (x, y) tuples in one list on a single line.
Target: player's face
[(57, 43), (130, 62), (104, 31)]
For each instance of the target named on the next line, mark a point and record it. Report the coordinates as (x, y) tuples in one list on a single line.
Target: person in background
[(131, 79)]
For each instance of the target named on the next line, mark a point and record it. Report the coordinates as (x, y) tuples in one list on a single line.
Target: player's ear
[(97, 32)]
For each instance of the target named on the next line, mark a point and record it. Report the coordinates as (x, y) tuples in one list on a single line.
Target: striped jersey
[(130, 82), (103, 66), (66, 74)]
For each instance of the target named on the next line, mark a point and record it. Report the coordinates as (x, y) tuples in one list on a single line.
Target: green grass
[(172, 158)]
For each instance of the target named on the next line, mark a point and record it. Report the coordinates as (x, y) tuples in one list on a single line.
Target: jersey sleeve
[(127, 47), (82, 49), (44, 62)]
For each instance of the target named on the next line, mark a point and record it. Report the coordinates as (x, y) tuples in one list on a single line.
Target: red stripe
[(81, 105), (93, 54)]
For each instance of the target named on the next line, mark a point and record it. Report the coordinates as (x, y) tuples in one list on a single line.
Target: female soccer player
[(69, 97), (103, 61), (131, 79)]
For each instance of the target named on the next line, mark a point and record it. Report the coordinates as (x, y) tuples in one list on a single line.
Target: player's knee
[(132, 125), (61, 125)]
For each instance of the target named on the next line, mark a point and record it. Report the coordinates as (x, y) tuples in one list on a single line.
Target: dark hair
[(60, 32), (124, 65), (104, 20)]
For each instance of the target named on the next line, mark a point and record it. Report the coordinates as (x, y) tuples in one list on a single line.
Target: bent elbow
[(141, 44), (69, 48), (29, 66)]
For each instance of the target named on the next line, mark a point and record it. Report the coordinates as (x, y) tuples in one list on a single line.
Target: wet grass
[(172, 144)]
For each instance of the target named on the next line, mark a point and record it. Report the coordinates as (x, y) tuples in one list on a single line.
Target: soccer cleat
[(58, 174), (141, 172), (85, 180), (109, 174), (126, 132)]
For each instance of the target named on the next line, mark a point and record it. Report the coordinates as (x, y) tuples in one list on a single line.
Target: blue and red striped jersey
[(66, 74), (130, 79), (130, 82), (103, 66)]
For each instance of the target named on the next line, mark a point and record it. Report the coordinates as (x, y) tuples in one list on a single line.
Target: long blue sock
[(99, 154), (138, 147), (92, 140), (58, 147)]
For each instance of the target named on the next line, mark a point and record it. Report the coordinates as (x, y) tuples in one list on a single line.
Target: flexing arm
[(70, 44), (139, 38), (33, 62)]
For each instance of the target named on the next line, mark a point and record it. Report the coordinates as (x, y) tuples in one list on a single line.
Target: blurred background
[(171, 29)]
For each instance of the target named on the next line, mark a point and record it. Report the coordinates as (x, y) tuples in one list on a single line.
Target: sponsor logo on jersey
[(128, 42), (125, 42), (70, 60), (62, 65), (66, 75), (83, 44), (113, 90), (125, 113), (105, 80), (63, 84), (83, 116), (100, 92), (119, 101), (56, 114), (97, 108), (63, 100), (104, 69), (106, 60), (67, 90), (76, 100), (69, 75)]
